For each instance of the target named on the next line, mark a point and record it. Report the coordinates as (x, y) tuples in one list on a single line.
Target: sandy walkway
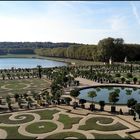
[(87, 82), (60, 126), (3, 134)]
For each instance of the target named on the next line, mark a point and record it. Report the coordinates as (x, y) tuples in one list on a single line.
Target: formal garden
[(55, 123), (21, 86), (45, 87)]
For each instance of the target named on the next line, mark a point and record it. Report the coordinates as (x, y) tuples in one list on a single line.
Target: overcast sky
[(81, 22)]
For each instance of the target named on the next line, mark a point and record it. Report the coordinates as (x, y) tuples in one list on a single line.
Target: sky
[(69, 21)]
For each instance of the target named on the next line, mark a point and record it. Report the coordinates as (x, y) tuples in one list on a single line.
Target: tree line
[(28, 47), (33, 45), (106, 48)]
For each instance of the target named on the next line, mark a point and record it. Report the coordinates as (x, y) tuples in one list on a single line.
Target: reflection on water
[(125, 93)]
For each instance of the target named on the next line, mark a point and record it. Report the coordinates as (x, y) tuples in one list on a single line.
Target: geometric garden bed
[(55, 123)]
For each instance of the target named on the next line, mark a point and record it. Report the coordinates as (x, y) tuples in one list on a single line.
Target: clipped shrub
[(129, 75), (135, 80), (117, 81), (118, 75), (123, 79), (127, 81)]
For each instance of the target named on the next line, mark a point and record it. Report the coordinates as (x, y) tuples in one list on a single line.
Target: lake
[(125, 93), (7, 63)]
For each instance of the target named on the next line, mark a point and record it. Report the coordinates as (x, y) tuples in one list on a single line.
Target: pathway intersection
[(60, 126), (24, 119)]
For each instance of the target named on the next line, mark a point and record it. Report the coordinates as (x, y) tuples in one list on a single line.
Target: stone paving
[(60, 126)]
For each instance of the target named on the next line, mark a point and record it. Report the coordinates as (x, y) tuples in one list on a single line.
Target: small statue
[(110, 61), (125, 59)]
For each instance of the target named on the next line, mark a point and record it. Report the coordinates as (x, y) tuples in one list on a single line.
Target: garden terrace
[(62, 125), (22, 86)]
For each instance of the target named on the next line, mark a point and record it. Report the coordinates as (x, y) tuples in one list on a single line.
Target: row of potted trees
[(113, 98)]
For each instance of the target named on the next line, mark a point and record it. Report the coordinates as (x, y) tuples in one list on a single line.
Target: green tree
[(82, 102), (3, 76), (137, 109), (131, 103), (58, 95), (135, 80), (39, 71), (67, 100), (74, 93), (123, 80), (55, 87), (113, 98), (16, 96), (8, 99), (110, 47), (92, 94), (102, 104)]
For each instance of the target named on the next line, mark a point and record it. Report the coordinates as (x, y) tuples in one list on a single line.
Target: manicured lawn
[(104, 120), (107, 136), (46, 114), (91, 125), (16, 86), (68, 121), (13, 133), (5, 119), (45, 126), (64, 135), (37, 81), (41, 127)]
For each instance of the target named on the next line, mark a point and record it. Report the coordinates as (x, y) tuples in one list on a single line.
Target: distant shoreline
[(65, 60)]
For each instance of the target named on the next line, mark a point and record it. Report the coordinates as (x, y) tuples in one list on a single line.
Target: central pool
[(102, 92)]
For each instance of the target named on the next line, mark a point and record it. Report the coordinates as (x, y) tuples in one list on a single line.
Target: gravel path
[(60, 126), (3, 134)]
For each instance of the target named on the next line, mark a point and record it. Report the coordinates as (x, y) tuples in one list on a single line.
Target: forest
[(106, 48), (27, 47)]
